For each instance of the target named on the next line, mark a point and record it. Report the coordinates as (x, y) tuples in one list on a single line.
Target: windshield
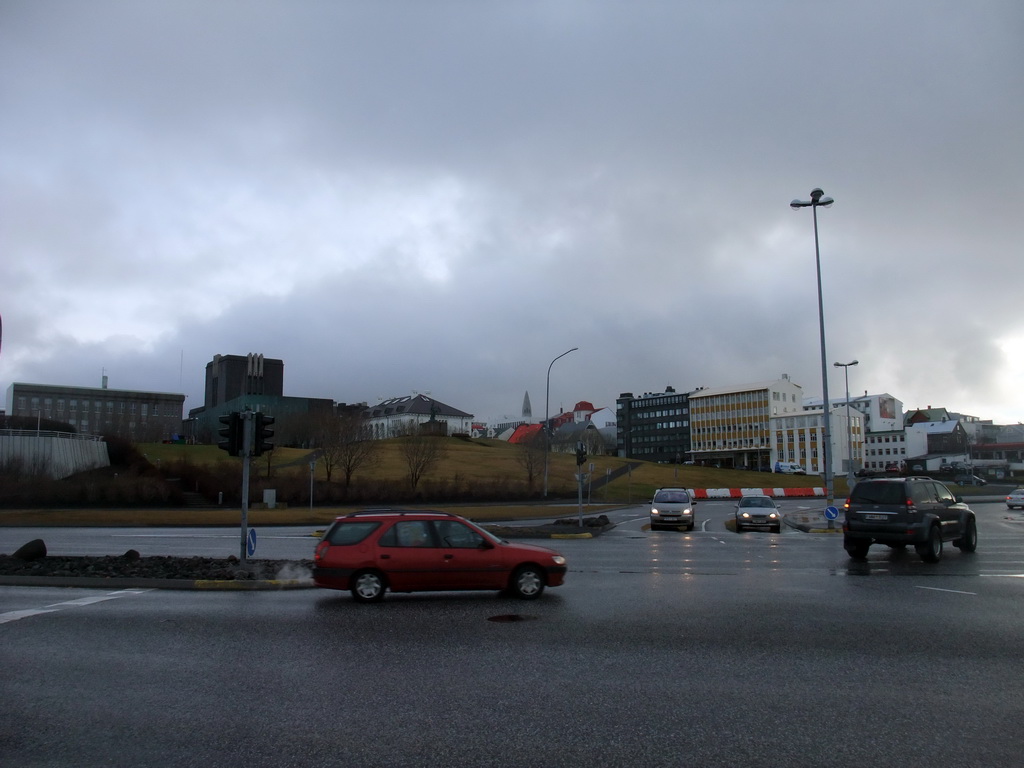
[(757, 501), (672, 497)]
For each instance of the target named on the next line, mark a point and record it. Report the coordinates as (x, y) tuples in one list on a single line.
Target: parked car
[(907, 510), (674, 507), (758, 512), (865, 472), (373, 551), (1015, 499), (789, 468), (970, 480)]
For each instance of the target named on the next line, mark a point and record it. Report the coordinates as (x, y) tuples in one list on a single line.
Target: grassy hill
[(488, 461)]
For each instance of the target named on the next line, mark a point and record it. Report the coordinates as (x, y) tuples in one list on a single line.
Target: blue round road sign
[(831, 513), (250, 542)]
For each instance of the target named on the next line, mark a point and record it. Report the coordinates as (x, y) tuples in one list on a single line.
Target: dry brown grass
[(476, 462)]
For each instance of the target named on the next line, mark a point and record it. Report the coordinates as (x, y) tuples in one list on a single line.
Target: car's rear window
[(350, 532), (879, 493)]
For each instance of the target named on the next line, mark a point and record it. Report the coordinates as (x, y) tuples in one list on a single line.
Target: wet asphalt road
[(664, 649)]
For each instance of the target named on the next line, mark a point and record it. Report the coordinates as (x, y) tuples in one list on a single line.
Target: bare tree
[(420, 451), (530, 456), (344, 444)]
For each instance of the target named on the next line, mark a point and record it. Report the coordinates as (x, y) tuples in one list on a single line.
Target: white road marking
[(954, 591), (16, 615)]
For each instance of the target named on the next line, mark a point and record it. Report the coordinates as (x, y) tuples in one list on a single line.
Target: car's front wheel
[(968, 542), (930, 550), (527, 582), (368, 586)]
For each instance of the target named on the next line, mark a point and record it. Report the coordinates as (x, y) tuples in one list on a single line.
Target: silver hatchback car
[(758, 512), (674, 507)]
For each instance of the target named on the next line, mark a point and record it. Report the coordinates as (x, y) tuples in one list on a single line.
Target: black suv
[(907, 510)]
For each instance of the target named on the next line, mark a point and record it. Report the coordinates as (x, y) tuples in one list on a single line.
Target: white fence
[(51, 454)]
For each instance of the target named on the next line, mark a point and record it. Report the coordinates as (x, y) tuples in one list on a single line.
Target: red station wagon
[(373, 551)]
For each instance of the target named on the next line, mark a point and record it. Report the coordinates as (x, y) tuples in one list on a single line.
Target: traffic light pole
[(247, 440)]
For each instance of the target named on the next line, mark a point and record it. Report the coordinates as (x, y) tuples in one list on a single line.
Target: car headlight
[(654, 512), (744, 514), (773, 515), (559, 560), (687, 511)]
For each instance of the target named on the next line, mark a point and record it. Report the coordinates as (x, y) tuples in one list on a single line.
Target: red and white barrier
[(735, 493)]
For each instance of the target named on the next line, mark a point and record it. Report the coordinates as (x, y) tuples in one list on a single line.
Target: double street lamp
[(817, 200), (547, 426), (849, 421)]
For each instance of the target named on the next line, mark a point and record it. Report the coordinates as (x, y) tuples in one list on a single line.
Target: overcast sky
[(443, 196)]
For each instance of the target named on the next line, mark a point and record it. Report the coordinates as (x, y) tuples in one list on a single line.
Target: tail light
[(320, 551)]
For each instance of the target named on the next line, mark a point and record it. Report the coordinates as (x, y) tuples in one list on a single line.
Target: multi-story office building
[(231, 376), (653, 426), (884, 448), (800, 439), (880, 413), (130, 414), (238, 382), (733, 427)]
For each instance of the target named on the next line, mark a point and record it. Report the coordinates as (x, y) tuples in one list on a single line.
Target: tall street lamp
[(849, 421), (818, 199), (547, 428)]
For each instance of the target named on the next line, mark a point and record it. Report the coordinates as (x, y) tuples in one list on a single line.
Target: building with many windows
[(130, 414), (255, 382), (732, 426), (231, 376), (800, 439), (410, 413), (653, 426)]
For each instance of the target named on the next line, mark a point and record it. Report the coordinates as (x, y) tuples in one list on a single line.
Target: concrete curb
[(808, 525), (545, 531)]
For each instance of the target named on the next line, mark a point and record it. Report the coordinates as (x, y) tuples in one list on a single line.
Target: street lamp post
[(547, 429), (849, 421), (818, 199)]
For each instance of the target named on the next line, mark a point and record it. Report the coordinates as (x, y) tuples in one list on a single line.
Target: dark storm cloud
[(444, 196)]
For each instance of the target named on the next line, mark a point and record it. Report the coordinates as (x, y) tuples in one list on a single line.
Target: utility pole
[(246, 454)]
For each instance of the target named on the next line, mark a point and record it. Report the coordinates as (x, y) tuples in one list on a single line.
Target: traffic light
[(581, 454), (261, 433), (231, 433)]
